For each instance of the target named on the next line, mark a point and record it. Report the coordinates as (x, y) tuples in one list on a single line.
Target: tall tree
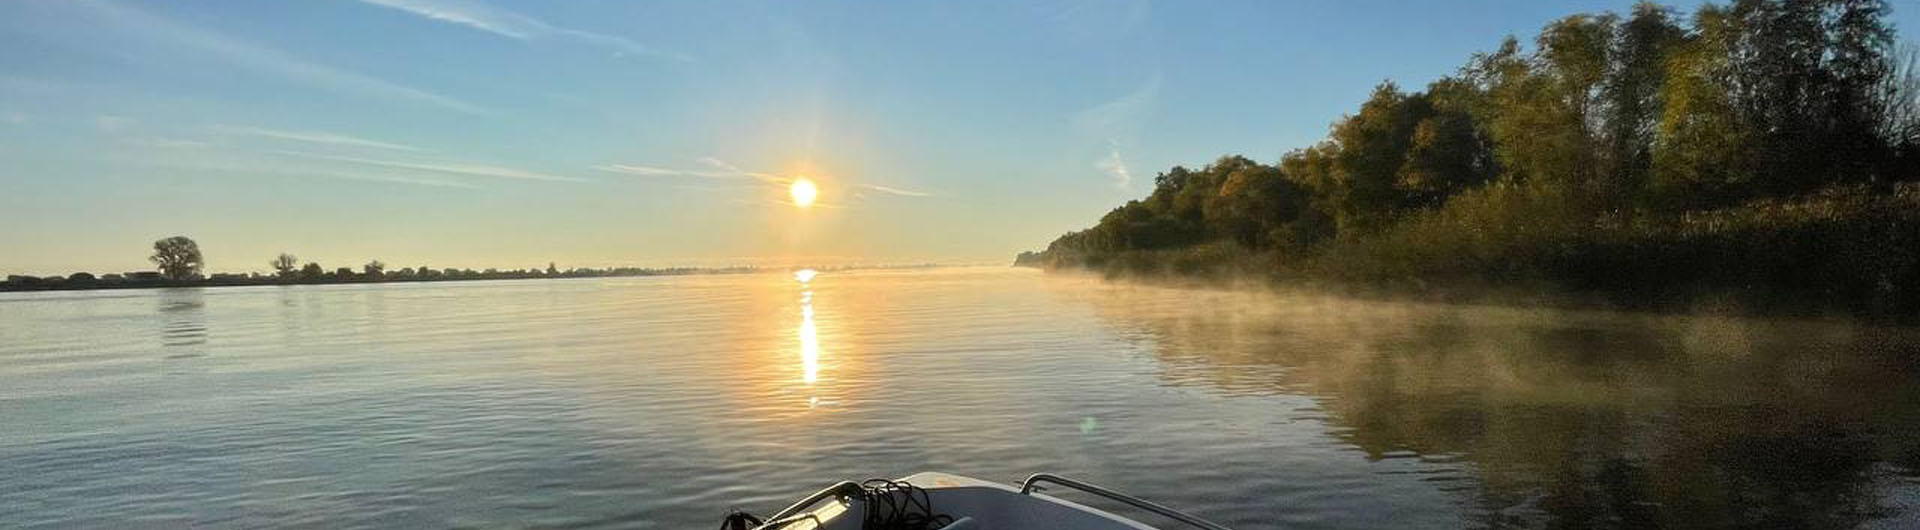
[(1632, 91), (285, 264), (178, 258), (1704, 143), (1860, 58), (1449, 151), (1545, 124), (1372, 148)]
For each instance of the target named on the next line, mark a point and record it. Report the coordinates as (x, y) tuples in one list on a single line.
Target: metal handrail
[(835, 491), (1030, 485)]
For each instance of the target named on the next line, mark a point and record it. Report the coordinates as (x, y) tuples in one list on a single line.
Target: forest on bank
[(1765, 150)]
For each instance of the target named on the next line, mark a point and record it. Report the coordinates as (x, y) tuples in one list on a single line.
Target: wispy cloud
[(168, 143), (641, 170), (14, 117), (218, 162), (894, 191), (1119, 122), (372, 177), (264, 59), (1122, 115), (312, 137), (112, 124), (721, 170), (517, 26), (1116, 167), (455, 169), (719, 164)]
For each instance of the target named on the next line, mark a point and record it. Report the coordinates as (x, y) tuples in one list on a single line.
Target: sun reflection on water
[(809, 335)]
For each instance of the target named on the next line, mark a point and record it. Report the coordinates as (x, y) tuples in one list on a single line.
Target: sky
[(594, 133)]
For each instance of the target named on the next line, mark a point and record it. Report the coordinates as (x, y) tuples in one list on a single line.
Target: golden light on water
[(803, 191), (809, 335), (809, 342)]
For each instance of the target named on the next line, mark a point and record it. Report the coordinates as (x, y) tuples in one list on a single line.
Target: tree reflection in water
[(1576, 419)]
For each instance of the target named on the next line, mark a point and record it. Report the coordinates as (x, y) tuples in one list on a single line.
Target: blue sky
[(595, 133)]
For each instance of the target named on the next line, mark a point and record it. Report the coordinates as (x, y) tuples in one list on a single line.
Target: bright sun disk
[(803, 192)]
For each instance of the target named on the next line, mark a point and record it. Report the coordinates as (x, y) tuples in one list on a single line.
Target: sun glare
[(803, 192)]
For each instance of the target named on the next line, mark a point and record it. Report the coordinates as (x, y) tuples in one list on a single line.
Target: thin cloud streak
[(1119, 121), (168, 143), (650, 171), (256, 169), (725, 171), (718, 163), (1116, 167), (894, 191), (456, 169), (313, 137), (390, 179), (517, 26), (265, 59)]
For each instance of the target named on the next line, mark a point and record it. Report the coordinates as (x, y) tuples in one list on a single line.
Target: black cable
[(899, 505)]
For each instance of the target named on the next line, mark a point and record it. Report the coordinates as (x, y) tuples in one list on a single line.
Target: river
[(662, 402)]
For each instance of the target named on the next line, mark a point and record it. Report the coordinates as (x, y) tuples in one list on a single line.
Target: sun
[(803, 192)]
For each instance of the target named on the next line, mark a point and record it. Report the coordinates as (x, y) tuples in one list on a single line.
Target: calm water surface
[(663, 402)]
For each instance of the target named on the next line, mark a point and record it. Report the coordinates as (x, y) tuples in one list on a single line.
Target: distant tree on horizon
[(285, 264), (178, 258), (312, 271), (375, 268)]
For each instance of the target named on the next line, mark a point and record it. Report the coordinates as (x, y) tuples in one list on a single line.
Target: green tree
[(1372, 149), (1255, 205), (1703, 145), (1449, 151), (178, 258), (1632, 92), (1543, 125), (285, 264)]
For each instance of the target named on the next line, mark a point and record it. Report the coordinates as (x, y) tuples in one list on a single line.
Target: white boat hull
[(974, 504)]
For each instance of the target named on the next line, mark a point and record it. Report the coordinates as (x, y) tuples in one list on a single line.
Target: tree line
[(178, 261), (1616, 152)]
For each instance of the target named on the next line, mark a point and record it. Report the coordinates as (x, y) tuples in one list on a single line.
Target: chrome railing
[(793, 513), (1032, 484)]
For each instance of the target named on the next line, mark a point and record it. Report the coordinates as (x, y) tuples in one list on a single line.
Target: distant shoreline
[(46, 284), (17, 284)]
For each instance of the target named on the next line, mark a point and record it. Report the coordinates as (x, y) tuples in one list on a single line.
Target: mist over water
[(663, 402)]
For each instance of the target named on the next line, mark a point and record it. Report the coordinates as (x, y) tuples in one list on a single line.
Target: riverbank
[(1848, 250), (82, 283), (85, 282), (1764, 155)]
